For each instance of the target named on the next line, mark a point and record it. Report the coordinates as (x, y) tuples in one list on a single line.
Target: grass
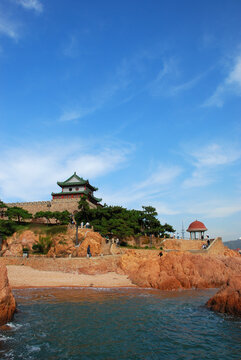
[(43, 229), (139, 247)]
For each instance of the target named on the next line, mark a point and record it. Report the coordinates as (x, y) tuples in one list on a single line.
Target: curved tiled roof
[(197, 226)]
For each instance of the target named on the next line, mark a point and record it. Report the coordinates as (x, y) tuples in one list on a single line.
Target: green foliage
[(61, 217), (7, 228), (54, 229), (17, 213), (43, 245), (44, 214), (3, 208), (2, 205), (26, 250), (120, 222), (84, 215)]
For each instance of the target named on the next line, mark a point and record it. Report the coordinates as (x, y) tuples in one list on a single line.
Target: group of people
[(205, 246)]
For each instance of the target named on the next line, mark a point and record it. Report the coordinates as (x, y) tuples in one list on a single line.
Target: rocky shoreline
[(67, 265), (7, 301)]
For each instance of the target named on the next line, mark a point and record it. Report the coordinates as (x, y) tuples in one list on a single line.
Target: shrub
[(43, 245), (7, 228)]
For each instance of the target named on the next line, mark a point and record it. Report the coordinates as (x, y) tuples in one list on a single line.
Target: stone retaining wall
[(54, 205)]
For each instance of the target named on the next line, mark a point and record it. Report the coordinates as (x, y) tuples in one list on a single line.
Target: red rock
[(7, 301), (14, 245), (228, 298), (176, 270)]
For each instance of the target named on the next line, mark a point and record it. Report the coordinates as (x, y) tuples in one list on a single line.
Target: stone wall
[(182, 244), (54, 205), (216, 247)]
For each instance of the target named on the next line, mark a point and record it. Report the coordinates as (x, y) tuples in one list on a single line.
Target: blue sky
[(140, 97)]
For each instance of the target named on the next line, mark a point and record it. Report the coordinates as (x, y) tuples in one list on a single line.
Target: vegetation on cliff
[(121, 222)]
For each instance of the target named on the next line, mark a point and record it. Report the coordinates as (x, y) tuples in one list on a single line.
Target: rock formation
[(63, 244), (228, 298), (7, 301), (13, 246), (177, 270)]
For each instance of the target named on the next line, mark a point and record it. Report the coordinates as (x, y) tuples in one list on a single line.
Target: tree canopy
[(7, 228), (61, 217), (121, 222), (17, 213)]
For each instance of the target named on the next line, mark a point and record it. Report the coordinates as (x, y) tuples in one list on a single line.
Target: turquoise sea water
[(118, 324)]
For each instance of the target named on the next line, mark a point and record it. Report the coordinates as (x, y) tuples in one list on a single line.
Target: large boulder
[(13, 246), (7, 301), (228, 298), (64, 244), (92, 239)]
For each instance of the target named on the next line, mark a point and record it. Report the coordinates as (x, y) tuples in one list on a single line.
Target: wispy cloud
[(215, 208), (161, 176), (167, 81), (32, 174), (9, 28), (100, 96), (35, 5), (71, 115), (148, 190), (71, 48), (231, 85), (208, 159)]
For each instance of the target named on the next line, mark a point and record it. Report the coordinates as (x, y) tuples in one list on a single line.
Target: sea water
[(118, 324)]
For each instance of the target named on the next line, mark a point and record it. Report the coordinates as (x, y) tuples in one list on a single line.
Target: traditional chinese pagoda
[(74, 188)]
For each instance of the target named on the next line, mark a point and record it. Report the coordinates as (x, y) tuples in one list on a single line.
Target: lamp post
[(76, 236), (1, 241)]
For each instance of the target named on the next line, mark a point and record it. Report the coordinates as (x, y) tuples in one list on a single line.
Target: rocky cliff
[(7, 301), (178, 270)]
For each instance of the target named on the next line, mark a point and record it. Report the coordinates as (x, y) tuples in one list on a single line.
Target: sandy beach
[(27, 277)]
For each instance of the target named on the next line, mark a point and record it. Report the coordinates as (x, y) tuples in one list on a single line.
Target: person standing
[(88, 252)]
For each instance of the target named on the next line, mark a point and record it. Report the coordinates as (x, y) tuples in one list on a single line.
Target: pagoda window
[(70, 189), (76, 188)]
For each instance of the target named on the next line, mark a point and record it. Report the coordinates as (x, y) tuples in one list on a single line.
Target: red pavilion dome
[(197, 226)]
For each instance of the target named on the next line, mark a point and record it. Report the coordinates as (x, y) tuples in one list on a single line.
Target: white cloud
[(31, 5), (167, 82), (230, 85), (215, 208), (207, 160), (71, 48), (99, 97), (31, 173), (161, 176), (215, 154), (223, 211), (147, 191), (9, 28), (74, 114)]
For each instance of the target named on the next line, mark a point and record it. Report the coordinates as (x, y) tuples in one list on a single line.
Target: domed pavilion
[(197, 230)]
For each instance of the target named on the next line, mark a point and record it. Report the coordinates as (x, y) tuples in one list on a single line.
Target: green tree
[(17, 213), (150, 224), (62, 217), (43, 245), (7, 228), (44, 214), (3, 208), (166, 228), (84, 215), (120, 222)]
